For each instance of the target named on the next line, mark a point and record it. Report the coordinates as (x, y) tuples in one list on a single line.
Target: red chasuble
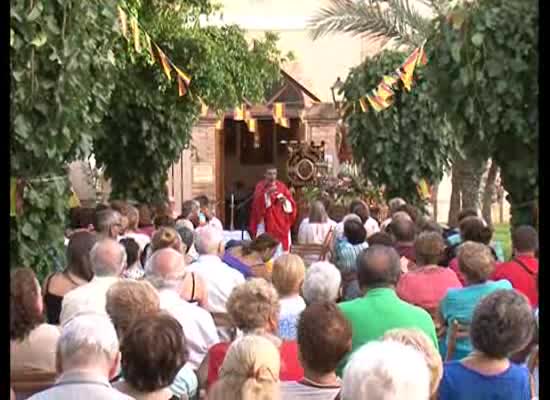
[(277, 221)]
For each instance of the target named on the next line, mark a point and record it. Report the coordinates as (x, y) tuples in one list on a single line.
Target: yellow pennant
[(123, 19), (135, 33), (279, 110), (149, 47), (165, 63), (284, 122), (182, 88), (186, 78), (252, 124), (239, 113), (363, 103), (406, 71), (423, 189), (219, 124)]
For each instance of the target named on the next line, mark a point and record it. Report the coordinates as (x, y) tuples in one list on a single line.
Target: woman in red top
[(427, 284), (253, 307)]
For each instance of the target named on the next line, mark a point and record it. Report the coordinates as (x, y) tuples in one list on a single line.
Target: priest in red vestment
[(273, 209)]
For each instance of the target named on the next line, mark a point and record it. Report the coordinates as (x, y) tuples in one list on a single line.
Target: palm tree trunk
[(455, 203), (488, 193)]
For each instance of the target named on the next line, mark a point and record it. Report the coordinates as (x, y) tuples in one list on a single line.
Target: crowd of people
[(153, 305)]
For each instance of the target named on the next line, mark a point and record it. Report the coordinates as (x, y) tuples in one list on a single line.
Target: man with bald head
[(220, 278), (165, 269), (380, 310), (108, 260)]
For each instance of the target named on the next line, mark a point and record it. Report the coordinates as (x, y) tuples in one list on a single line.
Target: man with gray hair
[(164, 269), (220, 278), (393, 205), (108, 259), (386, 371), (108, 223), (322, 283), (378, 270), (87, 358)]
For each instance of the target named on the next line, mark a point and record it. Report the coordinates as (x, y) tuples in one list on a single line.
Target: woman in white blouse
[(314, 230)]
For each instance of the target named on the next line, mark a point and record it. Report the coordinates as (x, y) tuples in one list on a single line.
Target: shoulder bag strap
[(522, 265)]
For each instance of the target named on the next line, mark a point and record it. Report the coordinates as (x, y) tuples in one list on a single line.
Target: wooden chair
[(25, 384), (311, 253), (457, 331)]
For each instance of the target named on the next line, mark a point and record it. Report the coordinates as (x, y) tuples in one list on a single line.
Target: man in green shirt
[(380, 309)]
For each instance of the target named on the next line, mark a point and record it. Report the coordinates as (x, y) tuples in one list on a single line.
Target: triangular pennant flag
[(135, 33), (364, 104), (377, 103), (284, 122), (149, 47), (422, 58), (165, 63), (406, 71), (219, 124), (239, 113), (182, 88), (123, 19), (252, 124), (384, 91), (186, 78), (278, 110), (390, 80)]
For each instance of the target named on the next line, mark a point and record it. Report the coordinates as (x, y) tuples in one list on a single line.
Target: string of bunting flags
[(134, 35), (383, 95)]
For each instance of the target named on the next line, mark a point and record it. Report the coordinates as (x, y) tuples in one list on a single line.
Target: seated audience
[(189, 217), (108, 224), (250, 258), (324, 338), (386, 370), (501, 325), (128, 301), (404, 232), (219, 277), (145, 223), (385, 239), (315, 228), (193, 287), (346, 252), (427, 284), (418, 340), (208, 214), (164, 221), (476, 263), (523, 270), (108, 259), (133, 232), (32, 342), (134, 270), (322, 283), (379, 270), (250, 371), (288, 277), (253, 308), (472, 229), (153, 351), (360, 208), (88, 357), (188, 239), (77, 273), (393, 206), (164, 272)]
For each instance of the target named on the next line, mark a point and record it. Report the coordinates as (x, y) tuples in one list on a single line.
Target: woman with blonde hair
[(421, 342), (250, 371), (314, 230), (288, 277)]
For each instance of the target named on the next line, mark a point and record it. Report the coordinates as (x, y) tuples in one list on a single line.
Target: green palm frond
[(393, 19)]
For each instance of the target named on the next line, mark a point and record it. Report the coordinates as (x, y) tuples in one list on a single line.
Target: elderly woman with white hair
[(87, 357), (322, 283), (387, 370)]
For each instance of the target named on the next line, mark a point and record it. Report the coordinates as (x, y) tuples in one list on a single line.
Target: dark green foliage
[(61, 60), (390, 156), (484, 69)]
